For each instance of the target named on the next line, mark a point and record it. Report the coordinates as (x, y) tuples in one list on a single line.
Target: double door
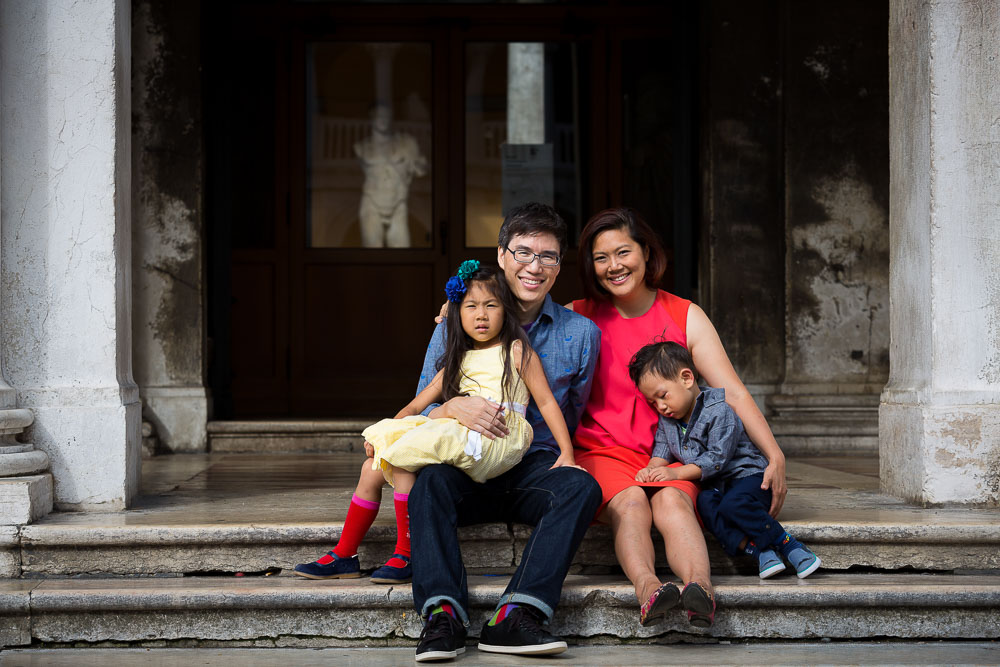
[(388, 154)]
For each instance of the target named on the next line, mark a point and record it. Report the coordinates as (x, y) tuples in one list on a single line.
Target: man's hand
[(443, 314), (567, 461), (476, 414), (369, 450), (774, 479)]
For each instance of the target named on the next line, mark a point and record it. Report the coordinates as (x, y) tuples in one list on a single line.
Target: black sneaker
[(443, 638), (520, 633)]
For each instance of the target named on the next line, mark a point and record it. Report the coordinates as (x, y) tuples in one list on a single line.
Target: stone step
[(275, 436), (55, 549), (806, 424), (288, 611)]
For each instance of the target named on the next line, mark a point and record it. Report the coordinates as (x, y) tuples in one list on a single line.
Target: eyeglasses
[(527, 257)]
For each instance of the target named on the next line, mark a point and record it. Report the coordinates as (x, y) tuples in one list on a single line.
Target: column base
[(179, 415), (939, 453), (25, 499)]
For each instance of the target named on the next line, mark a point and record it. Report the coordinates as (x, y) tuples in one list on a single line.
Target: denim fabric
[(567, 345), (715, 440), (737, 508), (559, 503)]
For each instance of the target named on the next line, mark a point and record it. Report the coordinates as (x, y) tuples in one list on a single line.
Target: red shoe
[(663, 598), (699, 604)]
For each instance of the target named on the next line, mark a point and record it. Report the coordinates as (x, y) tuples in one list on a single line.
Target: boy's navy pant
[(737, 508)]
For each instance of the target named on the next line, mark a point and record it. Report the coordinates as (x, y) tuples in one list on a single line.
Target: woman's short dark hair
[(641, 233)]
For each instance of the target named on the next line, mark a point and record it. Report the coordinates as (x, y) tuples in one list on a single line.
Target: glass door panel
[(368, 145), (525, 104)]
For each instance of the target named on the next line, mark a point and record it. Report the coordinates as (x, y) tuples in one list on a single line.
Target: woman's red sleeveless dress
[(615, 437)]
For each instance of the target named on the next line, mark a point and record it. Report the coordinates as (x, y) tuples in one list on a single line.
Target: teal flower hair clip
[(467, 268)]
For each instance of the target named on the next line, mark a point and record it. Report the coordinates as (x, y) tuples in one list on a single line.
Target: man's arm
[(583, 381), (473, 412)]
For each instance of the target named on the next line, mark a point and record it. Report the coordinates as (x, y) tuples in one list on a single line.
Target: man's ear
[(687, 377), (500, 256)]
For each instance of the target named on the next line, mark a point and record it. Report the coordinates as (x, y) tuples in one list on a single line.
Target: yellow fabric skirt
[(411, 443)]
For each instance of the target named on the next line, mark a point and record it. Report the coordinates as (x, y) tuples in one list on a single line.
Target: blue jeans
[(737, 508), (559, 503)]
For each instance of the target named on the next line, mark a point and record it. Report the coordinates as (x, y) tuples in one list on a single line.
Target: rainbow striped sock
[(446, 608), (502, 613)]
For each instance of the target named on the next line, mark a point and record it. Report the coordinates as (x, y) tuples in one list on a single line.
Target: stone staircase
[(165, 573)]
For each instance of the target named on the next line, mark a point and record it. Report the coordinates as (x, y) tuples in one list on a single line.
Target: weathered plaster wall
[(939, 426), (65, 190), (167, 220), (837, 185), (795, 209)]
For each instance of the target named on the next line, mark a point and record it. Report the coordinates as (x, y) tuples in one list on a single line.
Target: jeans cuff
[(444, 599), (522, 598)]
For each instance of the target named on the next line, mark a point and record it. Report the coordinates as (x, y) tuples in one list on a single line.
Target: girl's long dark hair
[(458, 342)]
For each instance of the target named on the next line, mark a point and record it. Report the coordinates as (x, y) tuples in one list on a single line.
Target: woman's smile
[(619, 262)]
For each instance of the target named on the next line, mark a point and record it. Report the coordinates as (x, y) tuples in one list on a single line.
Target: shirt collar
[(548, 309), (711, 396)]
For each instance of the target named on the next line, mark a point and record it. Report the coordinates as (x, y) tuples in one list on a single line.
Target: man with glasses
[(559, 502)]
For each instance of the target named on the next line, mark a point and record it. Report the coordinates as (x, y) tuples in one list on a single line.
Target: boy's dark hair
[(532, 219), (457, 342), (666, 359), (638, 230)]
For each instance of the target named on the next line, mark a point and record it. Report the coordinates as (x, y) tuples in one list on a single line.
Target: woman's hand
[(662, 474), (774, 479), (369, 450), (566, 461)]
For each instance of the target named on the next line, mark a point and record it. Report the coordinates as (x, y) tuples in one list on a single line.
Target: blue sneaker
[(338, 568), (770, 563), (804, 561), (388, 574)]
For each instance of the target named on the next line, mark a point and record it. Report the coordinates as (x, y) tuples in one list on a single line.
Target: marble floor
[(216, 489)]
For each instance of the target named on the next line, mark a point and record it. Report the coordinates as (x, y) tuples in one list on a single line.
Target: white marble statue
[(390, 161)]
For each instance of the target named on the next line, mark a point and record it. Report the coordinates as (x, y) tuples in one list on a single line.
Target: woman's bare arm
[(713, 364)]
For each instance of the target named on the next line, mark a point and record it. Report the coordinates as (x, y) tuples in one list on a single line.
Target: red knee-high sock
[(402, 529), (360, 516)]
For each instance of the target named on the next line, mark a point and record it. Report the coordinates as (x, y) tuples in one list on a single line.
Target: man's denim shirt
[(715, 440), (567, 345)]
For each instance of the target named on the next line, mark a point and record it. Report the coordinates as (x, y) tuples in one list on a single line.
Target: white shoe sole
[(812, 568), (552, 648), (773, 570), (429, 656)]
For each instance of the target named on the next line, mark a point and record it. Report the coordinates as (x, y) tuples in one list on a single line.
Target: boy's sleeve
[(661, 441), (435, 348), (721, 437), (583, 381)]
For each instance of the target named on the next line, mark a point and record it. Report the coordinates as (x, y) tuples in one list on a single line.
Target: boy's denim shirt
[(567, 344), (715, 440)]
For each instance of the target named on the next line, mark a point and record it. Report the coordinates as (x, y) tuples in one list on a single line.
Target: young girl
[(486, 354)]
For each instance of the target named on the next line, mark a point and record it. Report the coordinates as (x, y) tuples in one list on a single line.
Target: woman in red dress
[(621, 263)]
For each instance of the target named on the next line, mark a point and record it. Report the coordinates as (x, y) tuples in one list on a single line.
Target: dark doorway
[(323, 120)]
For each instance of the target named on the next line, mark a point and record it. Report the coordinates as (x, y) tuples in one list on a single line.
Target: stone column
[(65, 193), (167, 208), (939, 418)]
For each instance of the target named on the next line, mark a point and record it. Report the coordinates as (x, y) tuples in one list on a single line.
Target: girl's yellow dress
[(412, 443)]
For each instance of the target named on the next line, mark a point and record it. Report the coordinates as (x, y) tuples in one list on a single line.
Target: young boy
[(701, 431)]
